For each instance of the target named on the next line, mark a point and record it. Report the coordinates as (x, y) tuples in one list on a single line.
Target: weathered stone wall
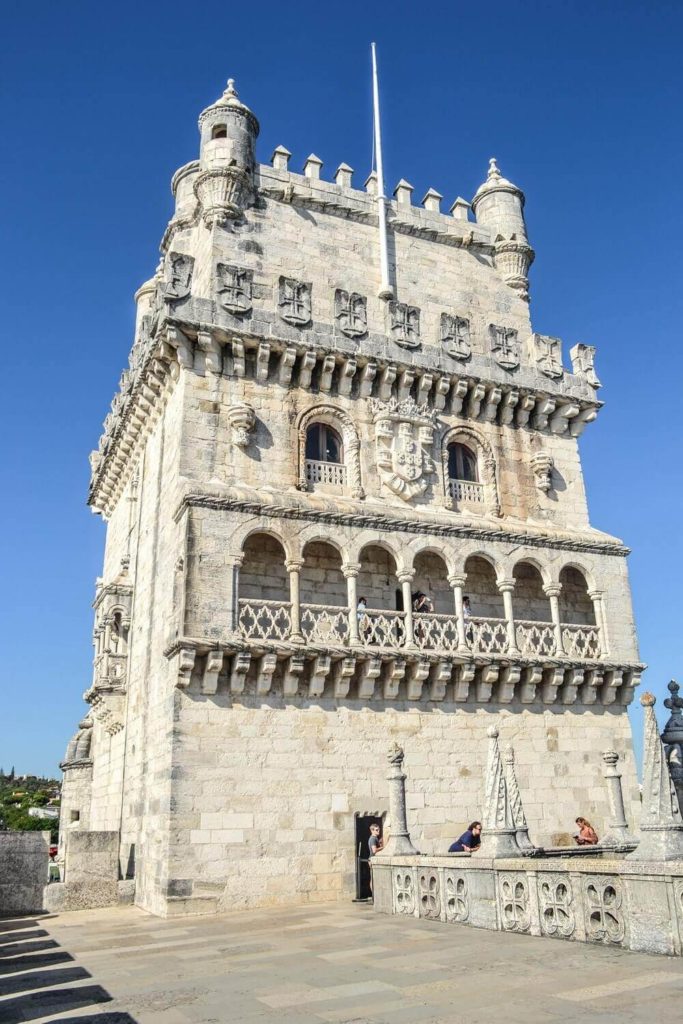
[(24, 860), (265, 792), (208, 451)]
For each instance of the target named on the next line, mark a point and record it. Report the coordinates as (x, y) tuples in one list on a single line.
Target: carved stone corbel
[(242, 420)]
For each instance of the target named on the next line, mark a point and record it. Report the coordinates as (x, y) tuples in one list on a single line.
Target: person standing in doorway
[(375, 843)]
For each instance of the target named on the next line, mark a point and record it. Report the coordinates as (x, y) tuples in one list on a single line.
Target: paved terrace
[(313, 964)]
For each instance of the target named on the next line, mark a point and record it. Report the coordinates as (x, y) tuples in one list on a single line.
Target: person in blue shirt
[(468, 841)]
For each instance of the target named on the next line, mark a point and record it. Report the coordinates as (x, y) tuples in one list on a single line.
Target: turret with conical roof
[(499, 206), (226, 158)]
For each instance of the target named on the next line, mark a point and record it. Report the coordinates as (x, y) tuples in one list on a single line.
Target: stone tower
[(288, 463)]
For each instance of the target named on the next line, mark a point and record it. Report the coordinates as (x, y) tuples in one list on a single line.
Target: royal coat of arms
[(404, 433)]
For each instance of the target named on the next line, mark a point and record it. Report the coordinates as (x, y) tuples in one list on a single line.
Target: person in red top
[(587, 835)]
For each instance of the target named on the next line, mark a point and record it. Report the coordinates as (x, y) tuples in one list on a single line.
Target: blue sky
[(580, 103)]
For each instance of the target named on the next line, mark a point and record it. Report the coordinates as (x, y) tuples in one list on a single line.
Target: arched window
[(462, 463), (323, 443), (219, 131), (324, 456), (464, 486)]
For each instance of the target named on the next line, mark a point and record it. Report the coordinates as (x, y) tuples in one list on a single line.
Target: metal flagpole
[(386, 291)]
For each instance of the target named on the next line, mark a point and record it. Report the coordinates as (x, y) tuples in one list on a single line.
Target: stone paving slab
[(341, 964)]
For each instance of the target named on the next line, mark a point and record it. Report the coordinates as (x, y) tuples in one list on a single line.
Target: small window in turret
[(219, 131)]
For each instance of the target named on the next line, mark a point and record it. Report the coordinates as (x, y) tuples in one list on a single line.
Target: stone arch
[(531, 603), (378, 575), (340, 420), (481, 586), (321, 578), (486, 464), (263, 573), (316, 534), (419, 546), (242, 534), (371, 537), (431, 578), (576, 607)]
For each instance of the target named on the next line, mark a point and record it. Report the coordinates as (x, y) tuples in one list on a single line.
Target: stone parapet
[(606, 901)]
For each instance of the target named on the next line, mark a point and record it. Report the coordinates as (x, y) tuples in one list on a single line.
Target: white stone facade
[(284, 443)]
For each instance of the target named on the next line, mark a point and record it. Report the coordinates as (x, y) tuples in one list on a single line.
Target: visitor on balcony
[(587, 835), (467, 614), (363, 621), (469, 841), (423, 606)]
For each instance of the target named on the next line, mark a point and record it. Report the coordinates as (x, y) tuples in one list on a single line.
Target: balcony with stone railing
[(466, 492), (332, 474), (384, 629)]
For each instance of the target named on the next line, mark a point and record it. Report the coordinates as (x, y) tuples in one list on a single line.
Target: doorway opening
[(362, 835)]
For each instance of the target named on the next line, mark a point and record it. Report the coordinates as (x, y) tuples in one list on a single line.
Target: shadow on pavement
[(33, 984)]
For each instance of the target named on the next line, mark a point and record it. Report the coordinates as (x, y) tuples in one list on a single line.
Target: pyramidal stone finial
[(498, 837), (516, 806), (661, 823), (230, 91)]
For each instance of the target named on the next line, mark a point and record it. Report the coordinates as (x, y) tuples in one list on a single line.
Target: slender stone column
[(457, 583), (351, 570), (405, 578), (552, 592), (505, 587), (399, 843), (618, 834), (293, 567), (234, 563), (600, 621)]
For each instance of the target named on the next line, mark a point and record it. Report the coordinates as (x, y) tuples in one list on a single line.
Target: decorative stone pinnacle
[(395, 754), (610, 757), (674, 702), (647, 699), (494, 171), (230, 92)]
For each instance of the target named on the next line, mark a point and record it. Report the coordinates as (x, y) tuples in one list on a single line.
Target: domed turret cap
[(495, 182), (229, 101)]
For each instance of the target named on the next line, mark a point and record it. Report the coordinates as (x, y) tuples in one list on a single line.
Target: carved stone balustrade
[(435, 632), (581, 641), (488, 636), (265, 620), (325, 624), (466, 491), (330, 473), (535, 638)]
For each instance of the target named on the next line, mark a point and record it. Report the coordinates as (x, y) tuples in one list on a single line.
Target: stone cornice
[(360, 516)]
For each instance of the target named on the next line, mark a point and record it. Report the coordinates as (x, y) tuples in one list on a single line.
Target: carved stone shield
[(406, 453)]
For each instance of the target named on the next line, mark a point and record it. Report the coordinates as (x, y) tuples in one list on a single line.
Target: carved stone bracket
[(242, 420), (542, 465)]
